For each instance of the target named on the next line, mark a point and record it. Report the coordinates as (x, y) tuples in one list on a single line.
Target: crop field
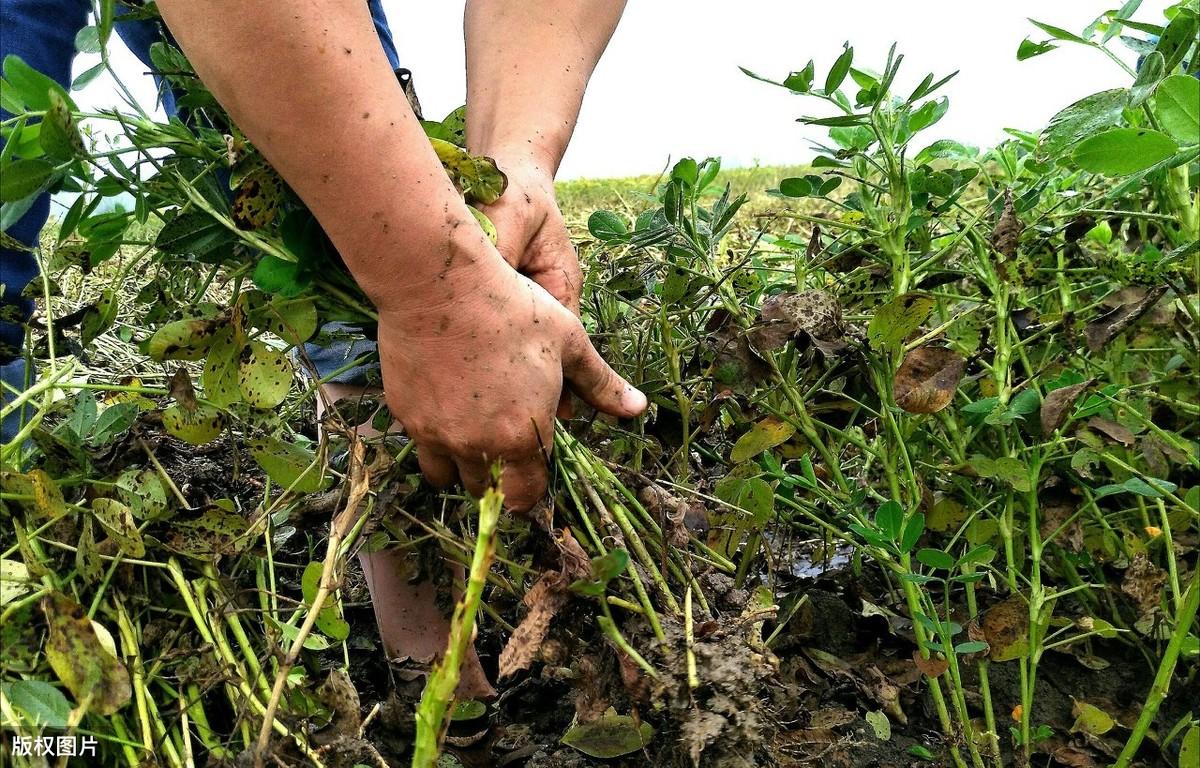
[(919, 482)]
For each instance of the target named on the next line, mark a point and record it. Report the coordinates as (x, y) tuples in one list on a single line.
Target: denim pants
[(42, 33)]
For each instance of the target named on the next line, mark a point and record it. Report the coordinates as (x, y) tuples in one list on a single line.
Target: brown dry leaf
[(544, 600), (1007, 232), (1073, 757), (885, 692), (181, 390), (931, 667), (1058, 402), (815, 314), (834, 717), (669, 510), (1106, 327), (80, 659), (1006, 629), (1119, 432), (340, 697), (1058, 506), (735, 366), (1144, 582), (927, 379)]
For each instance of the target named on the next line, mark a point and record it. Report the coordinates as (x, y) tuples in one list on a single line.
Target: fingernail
[(635, 400)]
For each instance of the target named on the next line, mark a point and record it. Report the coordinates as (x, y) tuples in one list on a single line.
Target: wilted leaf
[(1144, 582), (485, 223), (478, 178), (1007, 232), (117, 519), (1006, 629), (763, 436), (895, 321), (264, 375), (931, 667), (543, 601), (1118, 432), (1058, 402), (80, 659), (927, 379), (99, 317), (288, 464), (610, 736), (59, 136), (815, 314)]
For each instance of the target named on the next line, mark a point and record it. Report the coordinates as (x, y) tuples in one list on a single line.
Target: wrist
[(521, 158)]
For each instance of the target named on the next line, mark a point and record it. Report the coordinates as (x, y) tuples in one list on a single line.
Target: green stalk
[(439, 690), (1162, 680)]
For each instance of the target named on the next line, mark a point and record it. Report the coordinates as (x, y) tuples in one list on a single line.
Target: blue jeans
[(42, 33)]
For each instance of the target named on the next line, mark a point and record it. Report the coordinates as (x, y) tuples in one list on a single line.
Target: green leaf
[(840, 69), (1178, 37), (99, 317), (895, 321), (604, 569), (87, 40), (264, 376), (1189, 748), (1149, 74), (329, 619), (22, 178), (59, 137), (192, 233), (112, 422), (286, 278), (1082, 119), (31, 86), (610, 736), (87, 76), (971, 646), (889, 518), (293, 320), (1177, 107), (763, 436), (1028, 49), (1122, 151), (1058, 33), (39, 702), (606, 226), (880, 725), (935, 558), (468, 709), (289, 465), (912, 532), (1091, 719)]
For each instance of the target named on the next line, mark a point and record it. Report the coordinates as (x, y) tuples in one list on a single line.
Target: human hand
[(475, 367)]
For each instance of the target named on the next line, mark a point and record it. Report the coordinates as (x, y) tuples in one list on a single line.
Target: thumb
[(599, 385)]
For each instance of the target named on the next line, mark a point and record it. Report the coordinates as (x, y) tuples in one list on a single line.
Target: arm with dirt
[(528, 65), (474, 356)]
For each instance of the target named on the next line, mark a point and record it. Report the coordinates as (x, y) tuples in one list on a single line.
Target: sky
[(669, 84)]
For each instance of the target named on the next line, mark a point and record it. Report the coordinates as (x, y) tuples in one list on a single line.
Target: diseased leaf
[(895, 321), (215, 532), (927, 379), (220, 378), (257, 198), (198, 426), (264, 375), (1058, 403), (117, 519), (182, 340), (1006, 628), (1091, 719), (77, 654)]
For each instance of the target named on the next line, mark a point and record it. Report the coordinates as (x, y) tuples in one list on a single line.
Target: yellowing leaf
[(895, 321), (117, 519), (264, 376), (610, 736), (763, 436), (197, 426), (1091, 719), (182, 340)]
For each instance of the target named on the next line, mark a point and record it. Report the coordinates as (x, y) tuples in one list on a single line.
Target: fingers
[(524, 484), (593, 380), (439, 469)]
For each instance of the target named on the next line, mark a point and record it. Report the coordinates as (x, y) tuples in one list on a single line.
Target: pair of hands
[(476, 371)]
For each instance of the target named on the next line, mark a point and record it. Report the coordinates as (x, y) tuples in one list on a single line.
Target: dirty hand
[(531, 234), (475, 368)]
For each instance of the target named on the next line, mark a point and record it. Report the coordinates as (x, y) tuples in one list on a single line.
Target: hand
[(474, 373), (531, 234)]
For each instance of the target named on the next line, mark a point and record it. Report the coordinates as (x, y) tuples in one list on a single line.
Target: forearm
[(528, 64), (310, 86)]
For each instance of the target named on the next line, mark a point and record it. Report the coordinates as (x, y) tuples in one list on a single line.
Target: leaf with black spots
[(1007, 232), (257, 199), (293, 320), (215, 532), (117, 519), (198, 426), (763, 436), (143, 492), (59, 137), (264, 375), (220, 378), (99, 317), (895, 321), (85, 663), (182, 340)]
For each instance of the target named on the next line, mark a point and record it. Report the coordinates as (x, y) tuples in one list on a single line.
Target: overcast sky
[(669, 84)]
